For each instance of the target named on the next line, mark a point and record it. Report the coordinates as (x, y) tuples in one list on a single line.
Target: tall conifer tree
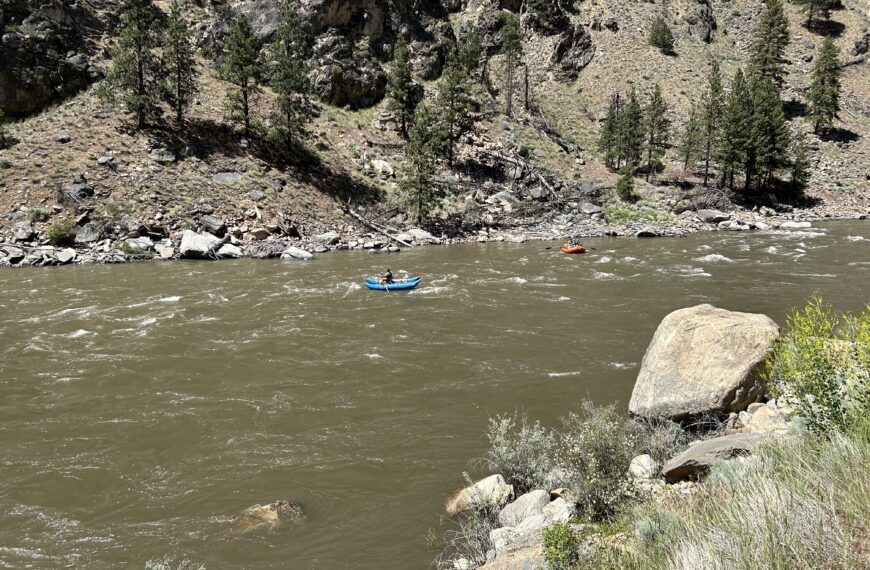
[(607, 140), (137, 71), (401, 98), (824, 95), (418, 190), (736, 129), (243, 68), (453, 103), (712, 108), (657, 128), (691, 141), (770, 136), (511, 46), (180, 63), (815, 9), (630, 131), (770, 38), (290, 80)]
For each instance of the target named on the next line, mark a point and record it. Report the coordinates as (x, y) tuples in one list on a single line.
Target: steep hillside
[(82, 160)]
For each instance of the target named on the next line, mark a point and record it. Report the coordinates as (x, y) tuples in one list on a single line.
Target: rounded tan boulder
[(703, 360)]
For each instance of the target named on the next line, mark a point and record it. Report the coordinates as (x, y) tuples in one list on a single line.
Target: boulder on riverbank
[(703, 360), (492, 489), (200, 246), (698, 459)]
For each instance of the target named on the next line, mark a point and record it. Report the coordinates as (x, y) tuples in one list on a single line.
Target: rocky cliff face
[(44, 52)]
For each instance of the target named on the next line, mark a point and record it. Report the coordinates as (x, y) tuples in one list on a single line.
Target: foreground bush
[(821, 365), (560, 546), (595, 450), (521, 451), (469, 537)]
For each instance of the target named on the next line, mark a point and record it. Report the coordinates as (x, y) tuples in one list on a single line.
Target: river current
[(142, 404)]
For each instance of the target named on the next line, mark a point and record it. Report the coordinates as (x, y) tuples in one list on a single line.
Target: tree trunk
[(510, 84), (245, 110), (526, 88)]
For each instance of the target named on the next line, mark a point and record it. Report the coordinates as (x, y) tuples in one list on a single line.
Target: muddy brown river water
[(140, 404)]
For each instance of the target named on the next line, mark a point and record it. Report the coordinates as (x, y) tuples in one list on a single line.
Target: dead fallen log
[(374, 226)]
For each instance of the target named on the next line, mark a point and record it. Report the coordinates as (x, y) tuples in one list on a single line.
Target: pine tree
[(824, 95), (816, 8), (180, 63), (469, 50), (771, 37), (511, 45), (691, 141), (417, 187), (770, 137), (401, 98), (290, 80), (799, 161), (137, 71), (607, 140), (625, 184), (453, 103), (242, 67), (712, 108), (660, 36), (630, 131), (736, 129), (657, 128)]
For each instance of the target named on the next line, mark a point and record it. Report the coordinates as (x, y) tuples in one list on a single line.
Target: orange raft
[(568, 248)]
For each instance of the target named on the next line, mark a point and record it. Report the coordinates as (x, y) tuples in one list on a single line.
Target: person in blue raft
[(386, 277)]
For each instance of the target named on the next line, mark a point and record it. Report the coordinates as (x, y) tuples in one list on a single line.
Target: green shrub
[(660, 35), (625, 184), (521, 451), (37, 214), (660, 438), (61, 232), (560, 546), (615, 214), (594, 452), (821, 365)]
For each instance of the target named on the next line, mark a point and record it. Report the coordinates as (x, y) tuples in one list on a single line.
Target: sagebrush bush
[(595, 449), (61, 232), (560, 546), (821, 365), (660, 438), (522, 451), (37, 214)]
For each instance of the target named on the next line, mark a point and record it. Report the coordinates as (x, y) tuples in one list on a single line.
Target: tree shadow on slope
[(209, 140), (831, 28), (841, 135)]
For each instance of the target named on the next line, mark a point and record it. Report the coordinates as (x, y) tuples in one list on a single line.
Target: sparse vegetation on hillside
[(660, 35)]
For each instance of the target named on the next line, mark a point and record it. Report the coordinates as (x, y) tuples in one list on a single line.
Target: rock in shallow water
[(492, 489)]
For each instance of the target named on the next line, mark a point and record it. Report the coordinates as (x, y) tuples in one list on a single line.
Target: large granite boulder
[(200, 246), (526, 506), (703, 360), (492, 489), (697, 460)]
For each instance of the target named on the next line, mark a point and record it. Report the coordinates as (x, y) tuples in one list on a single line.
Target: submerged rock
[(272, 515), (703, 360)]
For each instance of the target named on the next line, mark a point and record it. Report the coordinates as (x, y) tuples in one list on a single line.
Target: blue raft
[(397, 285)]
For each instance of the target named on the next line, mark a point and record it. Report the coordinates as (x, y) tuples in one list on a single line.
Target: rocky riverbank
[(703, 367), (30, 241)]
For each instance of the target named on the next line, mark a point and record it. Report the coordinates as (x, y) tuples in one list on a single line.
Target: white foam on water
[(714, 258), (564, 299), (148, 321), (604, 259), (518, 280), (705, 248), (772, 249), (604, 276), (431, 290), (622, 365), (856, 238), (78, 333), (563, 374), (374, 356), (172, 299)]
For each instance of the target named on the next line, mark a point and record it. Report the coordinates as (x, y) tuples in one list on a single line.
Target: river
[(142, 403)]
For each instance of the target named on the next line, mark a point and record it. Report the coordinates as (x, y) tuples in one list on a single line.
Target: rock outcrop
[(698, 459), (703, 360), (43, 53)]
